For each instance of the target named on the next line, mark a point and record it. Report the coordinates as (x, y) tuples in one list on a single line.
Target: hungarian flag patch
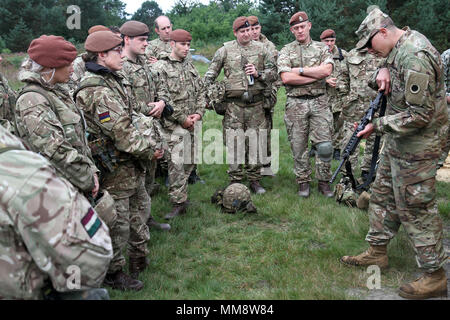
[(104, 117), (91, 222)]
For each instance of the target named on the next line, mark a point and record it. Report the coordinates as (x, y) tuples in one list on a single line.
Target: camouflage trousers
[(249, 119), (338, 131), (130, 229), (180, 162), (150, 173), (308, 119), (445, 133), (348, 129), (404, 193)]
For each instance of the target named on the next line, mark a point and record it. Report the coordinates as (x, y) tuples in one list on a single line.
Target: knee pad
[(325, 151)]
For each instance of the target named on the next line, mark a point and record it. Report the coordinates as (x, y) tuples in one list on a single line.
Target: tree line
[(24, 20)]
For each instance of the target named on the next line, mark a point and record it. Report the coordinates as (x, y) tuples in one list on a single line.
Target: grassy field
[(290, 249)]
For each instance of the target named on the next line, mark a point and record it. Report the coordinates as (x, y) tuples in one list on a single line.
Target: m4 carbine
[(351, 146)]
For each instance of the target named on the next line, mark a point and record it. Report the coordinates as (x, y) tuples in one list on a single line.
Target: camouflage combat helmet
[(345, 194), (235, 197)]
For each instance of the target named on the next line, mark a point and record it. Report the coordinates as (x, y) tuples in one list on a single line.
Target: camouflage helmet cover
[(235, 197)]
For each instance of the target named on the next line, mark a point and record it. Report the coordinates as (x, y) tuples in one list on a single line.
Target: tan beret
[(96, 28), (253, 20), (180, 35), (102, 41), (240, 22), (297, 18), (134, 28), (329, 33), (52, 51)]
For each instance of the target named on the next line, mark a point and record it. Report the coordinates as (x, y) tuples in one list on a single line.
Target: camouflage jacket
[(48, 230), (446, 64), (52, 124), (360, 68), (416, 101), (144, 84), (158, 49), (104, 98), (312, 54), (340, 72), (232, 57), (270, 47), (78, 72), (187, 94), (7, 100)]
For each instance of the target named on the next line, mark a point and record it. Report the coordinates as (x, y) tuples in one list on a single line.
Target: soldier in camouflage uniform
[(249, 69), (47, 117), (118, 143), (160, 47), (78, 64), (336, 88), (49, 232), (446, 130), (360, 67), (144, 85), (187, 96), (7, 100), (304, 65), (270, 92), (404, 192)]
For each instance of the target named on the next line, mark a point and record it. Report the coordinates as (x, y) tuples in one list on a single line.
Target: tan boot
[(429, 285), (375, 255)]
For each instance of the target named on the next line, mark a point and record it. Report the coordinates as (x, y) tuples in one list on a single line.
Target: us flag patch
[(91, 222), (104, 117)]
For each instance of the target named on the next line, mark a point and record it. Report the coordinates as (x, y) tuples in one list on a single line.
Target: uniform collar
[(390, 58)]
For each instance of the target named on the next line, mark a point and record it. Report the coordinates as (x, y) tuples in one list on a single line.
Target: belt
[(239, 100), (306, 97)]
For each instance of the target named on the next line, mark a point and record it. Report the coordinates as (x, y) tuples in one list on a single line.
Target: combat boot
[(121, 281), (153, 224), (375, 255), (137, 265), (256, 187), (303, 189), (429, 285), (324, 188), (177, 210)]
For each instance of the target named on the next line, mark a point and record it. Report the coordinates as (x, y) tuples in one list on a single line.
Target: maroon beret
[(297, 18), (52, 51), (253, 20), (180, 35), (97, 28), (102, 41), (240, 22), (329, 33), (134, 28)]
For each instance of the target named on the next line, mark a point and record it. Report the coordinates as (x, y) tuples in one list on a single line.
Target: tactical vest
[(236, 81)]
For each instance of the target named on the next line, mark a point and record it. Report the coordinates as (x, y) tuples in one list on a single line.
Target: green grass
[(290, 249)]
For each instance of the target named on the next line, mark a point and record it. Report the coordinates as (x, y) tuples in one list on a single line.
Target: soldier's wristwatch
[(300, 71)]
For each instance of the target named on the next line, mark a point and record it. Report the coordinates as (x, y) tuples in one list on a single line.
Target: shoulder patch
[(104, 117), (416, 87), (91, 222)]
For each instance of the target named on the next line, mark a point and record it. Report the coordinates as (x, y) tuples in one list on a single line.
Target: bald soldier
[(249, 69), (160, 47), (144, 84), (304, 66), (270, 92), (53, 244), (404, 192), (336, 88)]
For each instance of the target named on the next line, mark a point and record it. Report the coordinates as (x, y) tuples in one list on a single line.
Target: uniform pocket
[(420, 194)]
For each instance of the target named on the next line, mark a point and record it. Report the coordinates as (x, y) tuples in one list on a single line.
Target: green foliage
[(147, 14), (18, 38)]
